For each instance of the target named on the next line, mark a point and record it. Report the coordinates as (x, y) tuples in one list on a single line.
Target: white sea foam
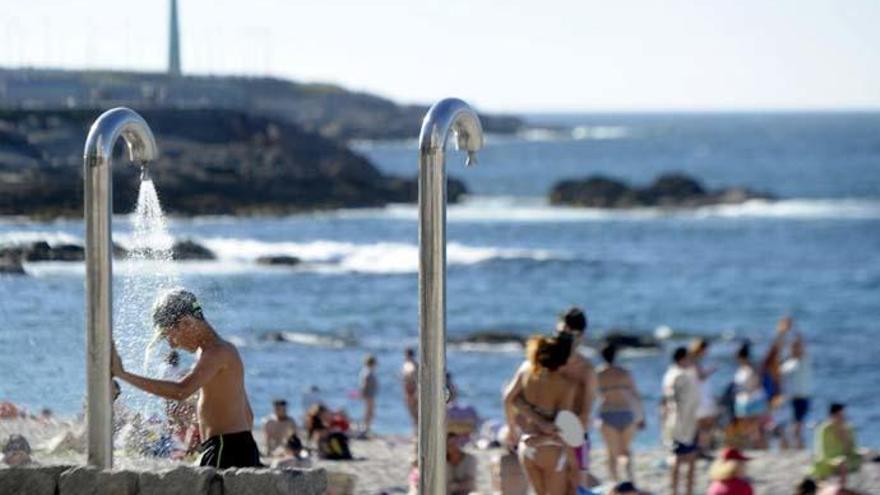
[(503, 348), (381, 257), (867, 209), (536, 209), (578, 133), (599, 132), (315, 340), (54, 238)]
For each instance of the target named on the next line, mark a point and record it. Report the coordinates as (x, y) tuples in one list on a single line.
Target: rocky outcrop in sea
[(326, 109), (213, 161), (669, 191)]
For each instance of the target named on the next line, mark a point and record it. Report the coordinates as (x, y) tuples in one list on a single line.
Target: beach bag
[(334, 447)]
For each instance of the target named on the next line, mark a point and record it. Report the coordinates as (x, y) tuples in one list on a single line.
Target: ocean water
[(515, 263)]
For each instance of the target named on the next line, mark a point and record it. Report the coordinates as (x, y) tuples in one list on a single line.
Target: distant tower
[(173, 42)]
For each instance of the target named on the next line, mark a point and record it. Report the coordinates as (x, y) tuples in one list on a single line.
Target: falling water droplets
[(147, 270)]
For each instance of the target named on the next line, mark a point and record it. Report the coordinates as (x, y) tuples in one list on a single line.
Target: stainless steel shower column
[(446, 115), (99, 270)]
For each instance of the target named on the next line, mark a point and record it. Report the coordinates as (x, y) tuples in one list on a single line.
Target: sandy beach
[(382, 464)]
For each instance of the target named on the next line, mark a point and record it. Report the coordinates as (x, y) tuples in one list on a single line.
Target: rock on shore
[(212, 161), (10, 264), (191, 250), (669, 190)]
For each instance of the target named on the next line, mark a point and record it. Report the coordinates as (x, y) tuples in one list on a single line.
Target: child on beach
[(368, 388), (681, 399), (224, 412), (409, 375), (461, 467)]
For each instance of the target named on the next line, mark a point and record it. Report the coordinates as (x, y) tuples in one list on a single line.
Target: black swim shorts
[(682, 449), (800, 407), (230, 450)]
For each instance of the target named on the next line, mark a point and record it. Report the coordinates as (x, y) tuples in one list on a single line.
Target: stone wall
[(182, 480)]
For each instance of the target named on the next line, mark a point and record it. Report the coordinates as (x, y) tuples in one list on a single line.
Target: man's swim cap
[(173, 305)]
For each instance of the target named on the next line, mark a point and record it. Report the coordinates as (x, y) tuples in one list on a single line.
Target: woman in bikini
[(620, 411), (538, 393)]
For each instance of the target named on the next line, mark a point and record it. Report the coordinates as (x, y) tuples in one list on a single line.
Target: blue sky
[(515, 55)]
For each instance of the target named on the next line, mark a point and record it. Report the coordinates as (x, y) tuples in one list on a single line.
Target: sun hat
[(732, 454)]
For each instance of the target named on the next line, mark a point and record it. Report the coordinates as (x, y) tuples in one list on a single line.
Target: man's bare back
[(580, 370)]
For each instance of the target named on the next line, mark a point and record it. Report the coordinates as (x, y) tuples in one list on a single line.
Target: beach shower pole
[(446, 115), (97, 158)]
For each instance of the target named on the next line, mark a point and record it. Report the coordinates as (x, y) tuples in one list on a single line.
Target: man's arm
[(204, 370), (591, 385), (250, 413), (515, 402), (514, 389)]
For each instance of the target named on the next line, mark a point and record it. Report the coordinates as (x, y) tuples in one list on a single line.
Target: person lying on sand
[(224, 412)]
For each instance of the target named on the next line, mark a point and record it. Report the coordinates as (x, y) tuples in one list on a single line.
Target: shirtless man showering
[(225, 415)]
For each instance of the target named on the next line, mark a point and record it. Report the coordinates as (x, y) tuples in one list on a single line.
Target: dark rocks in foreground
[(280, 260), (489, 337), (191, 250), (212, 162), (43, 251), (669, 191), (10, 264), (620, 338)]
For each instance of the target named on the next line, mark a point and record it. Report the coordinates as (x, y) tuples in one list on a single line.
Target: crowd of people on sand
[(549, 406), (766, 401)]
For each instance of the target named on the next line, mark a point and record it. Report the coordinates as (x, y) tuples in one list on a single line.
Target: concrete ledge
[(181, 480), (84, 480), (274, 481), (31, 480)]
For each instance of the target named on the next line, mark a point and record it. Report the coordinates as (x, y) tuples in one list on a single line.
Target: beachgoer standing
[(409, 375), (681, 399), (224, 412), (369, 388), (580, 371), (797, 373), (279, 427), (707, 412), (620, 409), (538, 392), (750, 400), (776, 422)]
